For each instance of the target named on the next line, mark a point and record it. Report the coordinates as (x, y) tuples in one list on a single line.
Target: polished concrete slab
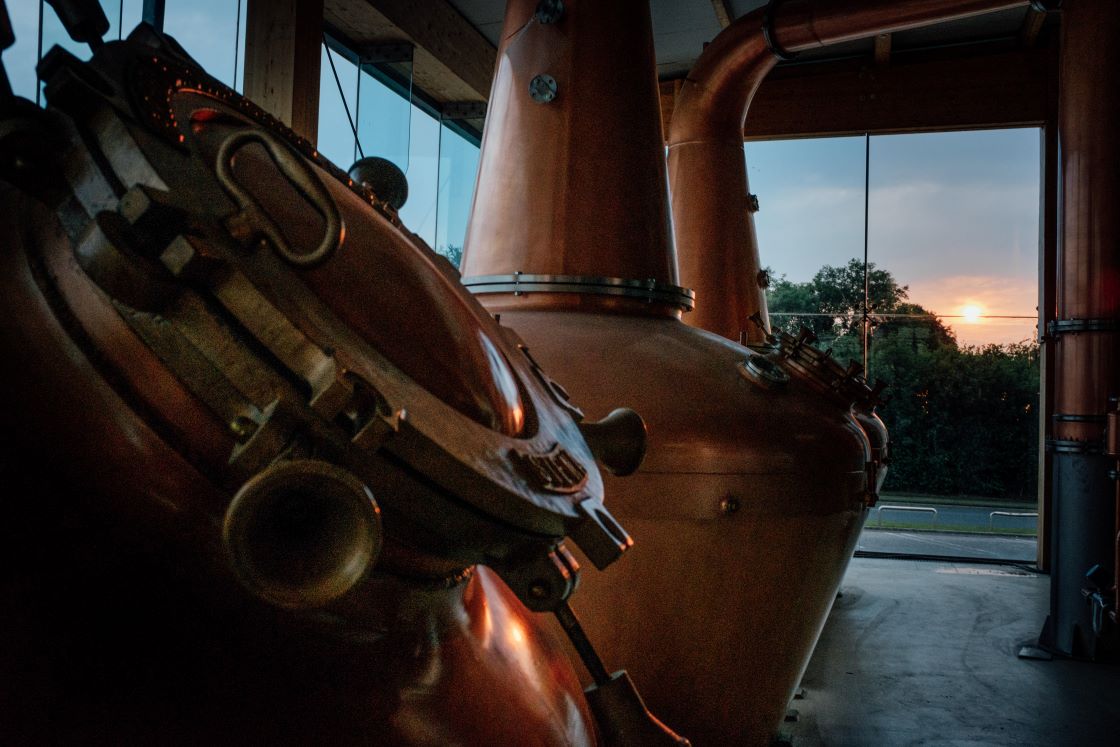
[(925, 653)]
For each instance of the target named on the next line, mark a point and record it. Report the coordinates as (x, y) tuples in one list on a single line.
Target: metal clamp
[(647, 290), (1072, 446), (1065, 417), (251, 220), (1073, 326), (775, 48)]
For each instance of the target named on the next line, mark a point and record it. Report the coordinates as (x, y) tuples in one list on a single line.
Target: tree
[(962, 420), (831, 305), (454, 254)]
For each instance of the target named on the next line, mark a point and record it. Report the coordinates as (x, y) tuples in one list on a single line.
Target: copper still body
[(262, 444), (757, 475)]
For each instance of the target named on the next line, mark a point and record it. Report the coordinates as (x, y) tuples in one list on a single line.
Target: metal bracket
[(1071, 446), (376, 54), (1064, 417), (518, 283), (1073, 326), (768, 33), (459, 110), (543, 583)]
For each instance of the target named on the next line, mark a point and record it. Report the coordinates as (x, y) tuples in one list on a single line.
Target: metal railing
[(924, 509), (992, 516)]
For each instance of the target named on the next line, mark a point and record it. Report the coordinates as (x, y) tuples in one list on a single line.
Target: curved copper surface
[(748, 504)]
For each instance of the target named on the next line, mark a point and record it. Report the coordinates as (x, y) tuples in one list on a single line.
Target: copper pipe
[(714, 228), (1089, 266), (1086, 329)]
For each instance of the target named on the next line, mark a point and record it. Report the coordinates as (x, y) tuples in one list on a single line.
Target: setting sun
[(971, 313)]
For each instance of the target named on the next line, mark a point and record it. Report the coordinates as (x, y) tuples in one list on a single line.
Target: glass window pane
[(811, 195), (20, 59), (213, 33), (458, 166), (336, 138), (954, 216), (422, 170), (954, 220), (384, 116)]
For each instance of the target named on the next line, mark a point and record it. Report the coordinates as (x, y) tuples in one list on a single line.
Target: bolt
[(538, 590), (549, 11), (729, 505), (242, 427), (543, 89)]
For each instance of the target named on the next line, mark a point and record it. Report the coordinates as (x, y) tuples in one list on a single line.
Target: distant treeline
[(963, 420)]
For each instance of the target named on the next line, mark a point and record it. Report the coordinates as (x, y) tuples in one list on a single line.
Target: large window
[(369, 109), (942, 276), (211, 31)]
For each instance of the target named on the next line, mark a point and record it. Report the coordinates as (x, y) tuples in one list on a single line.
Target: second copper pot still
[(758, 472)]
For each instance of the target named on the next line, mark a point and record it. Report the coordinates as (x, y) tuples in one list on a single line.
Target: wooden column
[(282, 53)]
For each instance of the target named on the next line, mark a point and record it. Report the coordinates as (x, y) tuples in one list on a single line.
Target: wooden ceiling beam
[(452, 60), (282, 39), (998, 89)]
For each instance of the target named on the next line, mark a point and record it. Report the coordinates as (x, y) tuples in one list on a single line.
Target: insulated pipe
[(711, 206)]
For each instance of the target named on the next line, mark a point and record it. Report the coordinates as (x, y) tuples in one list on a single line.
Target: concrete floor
[(924, 653), (975, 546)]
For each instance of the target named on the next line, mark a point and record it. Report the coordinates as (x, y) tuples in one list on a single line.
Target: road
[(976, 517), (949, 543)]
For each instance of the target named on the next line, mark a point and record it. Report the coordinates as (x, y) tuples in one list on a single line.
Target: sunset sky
[(954, 216)]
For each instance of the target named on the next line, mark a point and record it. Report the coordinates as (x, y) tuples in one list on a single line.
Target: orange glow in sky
[(978, 306)]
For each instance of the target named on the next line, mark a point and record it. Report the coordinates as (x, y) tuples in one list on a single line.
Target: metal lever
[(84, 20), (620, 714), (618, 441), (543, 584)]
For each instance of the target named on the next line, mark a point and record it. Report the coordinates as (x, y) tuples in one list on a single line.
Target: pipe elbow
[(713, 102)]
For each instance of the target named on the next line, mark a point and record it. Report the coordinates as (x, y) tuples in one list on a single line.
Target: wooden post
[(282, 53)]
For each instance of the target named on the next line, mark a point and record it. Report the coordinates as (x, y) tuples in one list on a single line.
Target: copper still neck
[(565, 210), (711, 200)]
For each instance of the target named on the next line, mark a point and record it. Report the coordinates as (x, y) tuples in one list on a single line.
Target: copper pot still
[(278, 477), (757, 475)]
